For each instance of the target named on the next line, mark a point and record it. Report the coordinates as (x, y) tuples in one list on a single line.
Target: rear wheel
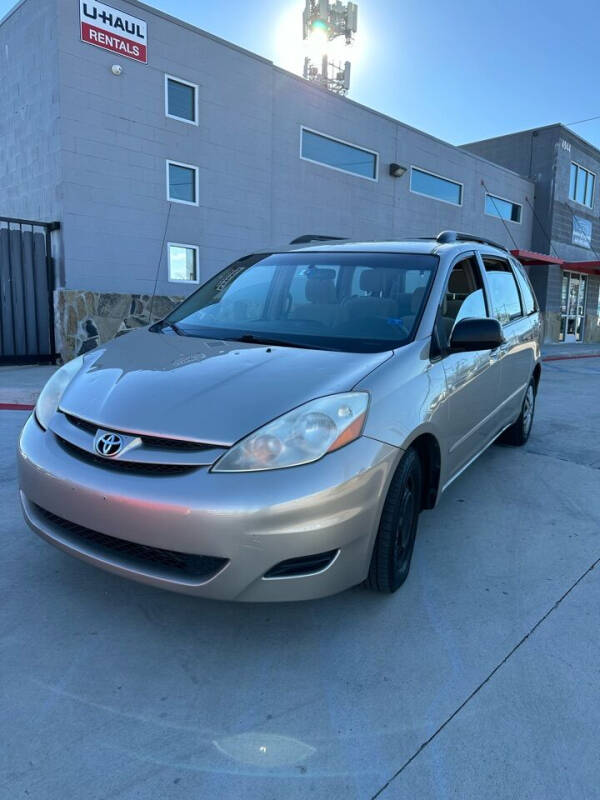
[(395, 540), (518, 433)]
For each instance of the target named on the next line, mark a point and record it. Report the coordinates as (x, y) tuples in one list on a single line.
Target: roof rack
[(308, 237), (447, 237)]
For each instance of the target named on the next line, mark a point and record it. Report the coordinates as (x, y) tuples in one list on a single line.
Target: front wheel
[(395, 540), (518, 433)]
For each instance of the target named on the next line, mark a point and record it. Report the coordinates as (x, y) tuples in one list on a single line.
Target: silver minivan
[(277, 435)]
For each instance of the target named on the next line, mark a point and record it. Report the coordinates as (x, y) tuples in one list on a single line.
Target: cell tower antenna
[(327, 20)]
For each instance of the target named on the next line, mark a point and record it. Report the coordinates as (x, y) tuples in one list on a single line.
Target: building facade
[(566, 224), (165, 153)]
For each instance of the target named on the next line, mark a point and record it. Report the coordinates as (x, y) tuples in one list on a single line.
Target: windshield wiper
[(252, 339)]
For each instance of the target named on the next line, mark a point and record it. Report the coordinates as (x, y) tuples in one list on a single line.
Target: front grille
[(159, 442), (137, 467), (151, 560), (304, 565)]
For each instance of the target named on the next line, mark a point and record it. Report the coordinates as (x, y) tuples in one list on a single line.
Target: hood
[(206, 390)]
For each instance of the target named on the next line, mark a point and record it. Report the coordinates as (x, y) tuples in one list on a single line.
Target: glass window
[(433, 186), (582, 232), (183, 263), (354, 302), (333, 153), (572, 181), (181, 100), (506, 303), (462, 299), (497, 207), (581, 185), (527, 295), (182, 180)]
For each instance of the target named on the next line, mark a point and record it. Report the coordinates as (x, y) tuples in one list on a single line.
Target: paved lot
[(480, 679)]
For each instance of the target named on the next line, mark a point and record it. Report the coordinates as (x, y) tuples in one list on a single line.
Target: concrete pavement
[(479, 679)]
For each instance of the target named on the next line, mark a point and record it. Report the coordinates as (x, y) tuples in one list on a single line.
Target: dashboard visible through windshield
[(358, 302)]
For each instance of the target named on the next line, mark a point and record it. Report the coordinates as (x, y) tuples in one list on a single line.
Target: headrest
[(457, 282), (371, 280), (417, 299), (320, 286)]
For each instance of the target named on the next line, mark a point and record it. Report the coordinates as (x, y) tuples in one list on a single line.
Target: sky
[(461, 71)]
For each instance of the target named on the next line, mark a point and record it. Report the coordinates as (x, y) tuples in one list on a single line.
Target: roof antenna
[(160, 255)]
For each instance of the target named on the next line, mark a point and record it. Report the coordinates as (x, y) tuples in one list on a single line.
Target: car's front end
[(224, 452)]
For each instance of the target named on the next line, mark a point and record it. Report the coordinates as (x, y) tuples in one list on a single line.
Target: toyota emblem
[(109, 444)]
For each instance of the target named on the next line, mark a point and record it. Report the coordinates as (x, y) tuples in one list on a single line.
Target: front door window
[(572, 307)]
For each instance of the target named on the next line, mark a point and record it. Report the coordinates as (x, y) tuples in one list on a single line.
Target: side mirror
[(476, 334)]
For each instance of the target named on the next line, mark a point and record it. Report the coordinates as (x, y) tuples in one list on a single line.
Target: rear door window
[(506, 301), (527, 295)]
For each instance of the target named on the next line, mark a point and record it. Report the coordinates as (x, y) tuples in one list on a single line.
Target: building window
[(581, 185), (582, 232), (182, 183), (338, 155), (181, 100), (431, 185), (183, 263), (505, 209)]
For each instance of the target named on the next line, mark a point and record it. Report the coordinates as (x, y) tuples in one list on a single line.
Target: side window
[(506, 302), (463, 298), (527, 295)]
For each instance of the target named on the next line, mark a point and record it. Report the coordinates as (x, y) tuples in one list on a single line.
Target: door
[(26, 283), (572, 317), (516, 357), (472, 379)]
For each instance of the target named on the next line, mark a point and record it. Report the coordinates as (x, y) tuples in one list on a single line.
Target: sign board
[(111, 29), (582, 232)]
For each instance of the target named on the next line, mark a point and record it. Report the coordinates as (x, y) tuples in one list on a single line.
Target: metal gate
[(26, 288)]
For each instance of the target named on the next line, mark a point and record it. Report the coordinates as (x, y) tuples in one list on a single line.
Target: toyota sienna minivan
[(278, 434)]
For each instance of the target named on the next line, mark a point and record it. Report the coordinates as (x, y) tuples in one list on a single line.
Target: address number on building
[(111, 29)]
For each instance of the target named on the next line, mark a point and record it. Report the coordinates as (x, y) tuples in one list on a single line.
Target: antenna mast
[(325, 21)]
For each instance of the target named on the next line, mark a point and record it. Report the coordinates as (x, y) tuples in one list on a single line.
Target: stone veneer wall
[(86, 319)]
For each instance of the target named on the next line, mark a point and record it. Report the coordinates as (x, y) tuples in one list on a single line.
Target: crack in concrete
[(484, 682)]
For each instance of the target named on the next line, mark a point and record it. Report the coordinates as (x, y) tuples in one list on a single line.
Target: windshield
[(364, 302)]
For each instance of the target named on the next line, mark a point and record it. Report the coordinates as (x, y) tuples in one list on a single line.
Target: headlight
[(52, 392), (300, 436)]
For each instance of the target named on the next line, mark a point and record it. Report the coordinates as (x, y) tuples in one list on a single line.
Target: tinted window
[(433, 186), (497, 207), (182, 183), (333, 153), (527, 295), (506, 303), (181, 100), (345, 301), (463, 298)]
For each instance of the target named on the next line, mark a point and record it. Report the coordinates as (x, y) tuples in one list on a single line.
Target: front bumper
[(251, 520)]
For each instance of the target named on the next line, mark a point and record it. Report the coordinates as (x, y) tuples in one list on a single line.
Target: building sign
[(106, 27), (582, 232)]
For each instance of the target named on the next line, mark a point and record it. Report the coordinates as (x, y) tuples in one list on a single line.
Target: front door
[(572, 307)]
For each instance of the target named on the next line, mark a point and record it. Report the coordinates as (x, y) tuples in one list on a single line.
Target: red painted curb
[(566, 358), (15, 407)]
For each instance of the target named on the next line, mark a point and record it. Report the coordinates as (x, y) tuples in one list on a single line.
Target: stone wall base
[(86, 319)]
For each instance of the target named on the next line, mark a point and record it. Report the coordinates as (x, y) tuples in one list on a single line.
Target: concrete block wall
[(30, 168)]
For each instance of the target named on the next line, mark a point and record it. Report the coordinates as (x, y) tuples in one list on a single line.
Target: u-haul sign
[(106, 27)]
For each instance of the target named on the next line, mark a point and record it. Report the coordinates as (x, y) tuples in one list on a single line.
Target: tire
[(518, 433), (392, 552)]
